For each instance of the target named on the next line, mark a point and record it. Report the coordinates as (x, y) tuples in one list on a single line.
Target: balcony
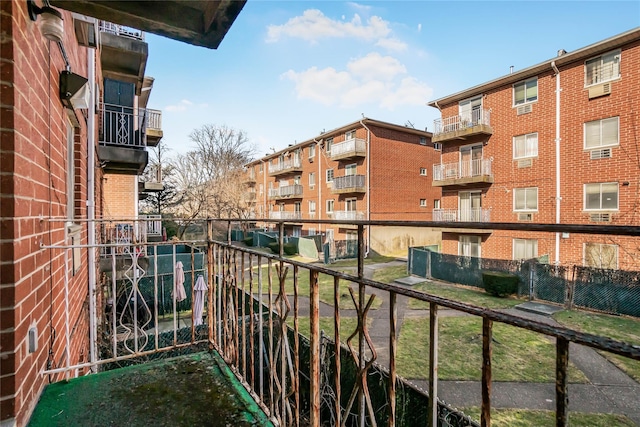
[(286, 166), (151, 182), (462, 127), (286, 192), (154, 127), (124, 54), (122, 139), (349, 149), (349, 184), (280, 215), (463, 173), (249, 196), (462, 215), (249, 178)]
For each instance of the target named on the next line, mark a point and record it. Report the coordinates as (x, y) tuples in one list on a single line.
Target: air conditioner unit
[(600, 217), (604, 153), (525, 163), (599, 90), (524, 109), (525, 217)]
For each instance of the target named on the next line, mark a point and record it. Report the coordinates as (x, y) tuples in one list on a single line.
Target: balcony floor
[(197, 389)]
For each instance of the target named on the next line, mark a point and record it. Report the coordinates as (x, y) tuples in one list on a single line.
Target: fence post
[(314, 362), (571, 289)]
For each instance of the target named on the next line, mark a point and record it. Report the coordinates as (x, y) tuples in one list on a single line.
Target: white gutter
[(366, 254), (91, 207), (557, 140)]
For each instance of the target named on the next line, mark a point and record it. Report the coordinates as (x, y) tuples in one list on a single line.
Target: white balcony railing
[(121, 30), (462, 215), (349, 181), (461, 122), (285, 215), (154, 119), (349, 146), (462, 169), (285, 191), (286, 164), (154, 224), (349, 216)]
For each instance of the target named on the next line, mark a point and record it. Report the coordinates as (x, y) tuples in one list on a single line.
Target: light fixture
[(74, 90), (51, 24)]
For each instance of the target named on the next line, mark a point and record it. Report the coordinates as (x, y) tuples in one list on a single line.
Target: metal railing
[(154, 224), (462, 169), (292, 163), (349, 215), (121, 30), (602, 73), (154, 119), (462, 122), (286, 191), (354, 145), (285, 215), (465, 215), (121, 125), (349, 181)]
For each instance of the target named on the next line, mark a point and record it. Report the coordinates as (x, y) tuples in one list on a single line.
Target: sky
[(288, 70)]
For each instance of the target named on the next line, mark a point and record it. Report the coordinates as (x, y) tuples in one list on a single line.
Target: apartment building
[(556, 142), (74, 130), (364, 170)]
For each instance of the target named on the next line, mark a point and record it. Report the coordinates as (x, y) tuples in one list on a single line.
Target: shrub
[(248, 241), (289, 248), (499, 283)]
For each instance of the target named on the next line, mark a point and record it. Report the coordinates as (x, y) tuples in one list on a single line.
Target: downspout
[(320, 206), (91, 207), (557, 140), (264, 192), (366, 253)]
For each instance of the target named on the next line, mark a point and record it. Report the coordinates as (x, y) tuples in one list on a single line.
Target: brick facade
[(120, 199), (577, 167)]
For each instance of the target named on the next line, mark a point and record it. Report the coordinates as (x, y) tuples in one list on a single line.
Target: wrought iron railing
[(121, 30), (121, 125), (462, 122), (462, 169)]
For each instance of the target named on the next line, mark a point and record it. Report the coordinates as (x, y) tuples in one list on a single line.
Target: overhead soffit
[(197, 22)]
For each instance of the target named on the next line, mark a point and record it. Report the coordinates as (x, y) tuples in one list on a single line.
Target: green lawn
[(326, 287), (347, 326), (526, 418), (616, 327), (469, 296), (518, 354), (373, 259)]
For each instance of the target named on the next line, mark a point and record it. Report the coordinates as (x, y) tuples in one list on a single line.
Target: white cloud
[(361, 7), (419, 27), (183, 105), (392, 44), (410, 91), (375, 66), (324, 86)]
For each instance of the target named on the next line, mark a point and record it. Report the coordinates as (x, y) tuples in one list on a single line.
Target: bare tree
[(160, 169)]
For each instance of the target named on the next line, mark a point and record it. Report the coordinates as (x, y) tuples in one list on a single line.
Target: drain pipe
[(557, 141), (366, 253), (91, 208)]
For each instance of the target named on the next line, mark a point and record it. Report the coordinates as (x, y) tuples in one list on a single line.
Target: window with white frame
[(601, 133), (312, 231), (351, 235), (436, 204), (601, 196), (603, 68), (312, 151), (312, 179), (525, 199), (525, 249), (312, 207), (423, 203), (328, 144), (525, 146), (423, 140), (469, 246), (329, 175), (525, 92), (601, 255), (261, 167), (350, 135), (328, 235), (350, 169), (260, 188), (423, 171), (330, 204)]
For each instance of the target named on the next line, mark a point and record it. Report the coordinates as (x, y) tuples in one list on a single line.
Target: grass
[(616, 327), (526, 418), (469, 296), (518, 354), (372, 259), (347, 326), (326, 287)]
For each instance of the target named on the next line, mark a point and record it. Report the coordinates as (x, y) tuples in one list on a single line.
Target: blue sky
[(289, 69)]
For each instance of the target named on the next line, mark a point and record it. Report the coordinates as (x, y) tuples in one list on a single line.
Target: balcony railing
[(121, 30), (289, 165), (154, 119), (121, 125), (286, 192), (354, 147), (349, 216), (154, 224), (462, 122), (349, 183), (285, 215), (462, 170), (462, 215)]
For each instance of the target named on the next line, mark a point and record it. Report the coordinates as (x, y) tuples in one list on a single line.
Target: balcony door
[(470, 205), (471, 160), (118, 118), (470, 111)]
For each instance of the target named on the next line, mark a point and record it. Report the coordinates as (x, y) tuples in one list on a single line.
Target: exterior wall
[(33, 212), (120, 196), (576, 167), (396, 241)]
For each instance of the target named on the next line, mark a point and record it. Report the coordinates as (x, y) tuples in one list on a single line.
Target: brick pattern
[(119, 195)]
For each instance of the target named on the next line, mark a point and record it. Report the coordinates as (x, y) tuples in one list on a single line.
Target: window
[(603, 68), (525, 199), (328, 145), (350, 204), (329, 236), (525, 249), (526, 91), (260, 188), (437, 146), (601, 133), (469, 246), (297, 207), (312, 179), (312, 151), (330, 206), (312, 208), (329, 175), (423, 203), (350, 135), (601, 196), (423, 171), (350, 169), (600, 255), (423, 140), (351, 235), (312, 231), (525, 146), (296, 180), (261, 167), (436, 204)]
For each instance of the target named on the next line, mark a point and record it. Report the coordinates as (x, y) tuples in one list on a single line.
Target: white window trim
[(326, 175), (525, 138), (333, 206), (525, 198), (423, 170), (584, 195), (584, 253), (584, 134), (513, 92), (527, 241), (312, 151), (423, 203), (619, 52), (312, 184)]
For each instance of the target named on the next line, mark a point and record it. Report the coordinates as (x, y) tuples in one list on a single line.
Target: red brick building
[(365, 170), (554, 143)]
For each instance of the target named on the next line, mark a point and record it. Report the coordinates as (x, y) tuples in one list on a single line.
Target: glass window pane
[(532, 90), (518, 147), (610, 196), (610, 131), (532, 198), (518, 97), (519, 199), (532, 144), (592, 134)]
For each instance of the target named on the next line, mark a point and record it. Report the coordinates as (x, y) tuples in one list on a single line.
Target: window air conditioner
[(599, 90)]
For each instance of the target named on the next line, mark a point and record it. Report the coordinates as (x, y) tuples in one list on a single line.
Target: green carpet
[(193, 390)]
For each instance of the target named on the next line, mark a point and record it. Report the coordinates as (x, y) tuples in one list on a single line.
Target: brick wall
[(119, 195)]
